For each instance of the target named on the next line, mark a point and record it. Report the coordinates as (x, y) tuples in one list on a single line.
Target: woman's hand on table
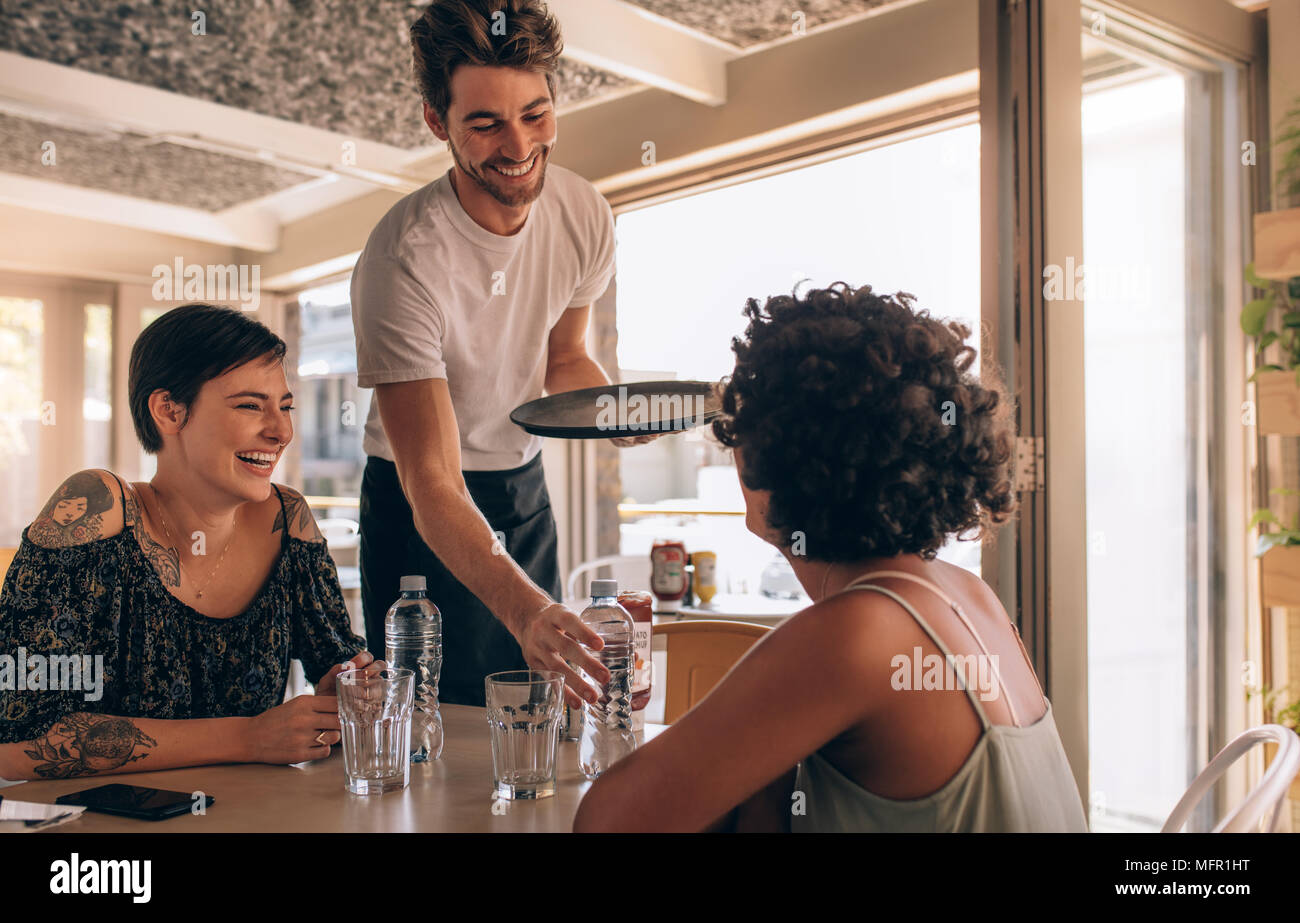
[(302, 729), (548, 642)]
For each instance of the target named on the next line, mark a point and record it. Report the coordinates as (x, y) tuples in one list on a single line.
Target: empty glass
[(375, 709), (523, 712)]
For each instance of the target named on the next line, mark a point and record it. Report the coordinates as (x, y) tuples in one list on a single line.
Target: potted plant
[(1277, 232)]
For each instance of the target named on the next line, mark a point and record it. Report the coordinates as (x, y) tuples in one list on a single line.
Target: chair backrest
[(6, 558), (631, 571), (699, 654), (1269, 795)]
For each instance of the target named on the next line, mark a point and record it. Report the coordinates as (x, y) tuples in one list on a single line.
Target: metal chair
[(700, 652), (631, 571), (1269, 794)]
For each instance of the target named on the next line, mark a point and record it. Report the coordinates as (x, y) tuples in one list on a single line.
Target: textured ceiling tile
[(341, 65), (749, 22), (134, 166)]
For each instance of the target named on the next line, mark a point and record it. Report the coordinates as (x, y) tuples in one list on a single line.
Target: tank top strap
[(127, 520), (952, 603), (284, 518), (938, 642)]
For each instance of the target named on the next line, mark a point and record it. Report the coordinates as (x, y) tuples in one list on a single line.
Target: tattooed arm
[(85, 508), (85, 744), (296, 516)]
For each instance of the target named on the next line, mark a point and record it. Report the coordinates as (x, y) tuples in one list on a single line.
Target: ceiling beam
[(241, 227), (635, 43), (82, 101)]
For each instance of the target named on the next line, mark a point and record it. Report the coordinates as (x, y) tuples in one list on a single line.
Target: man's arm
[(569, 367), (420, 422)]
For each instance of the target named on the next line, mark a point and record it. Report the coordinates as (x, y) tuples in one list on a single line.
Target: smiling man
[(472, 296)]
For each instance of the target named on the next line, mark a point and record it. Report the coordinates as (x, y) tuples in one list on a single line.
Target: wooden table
[(452, 794)]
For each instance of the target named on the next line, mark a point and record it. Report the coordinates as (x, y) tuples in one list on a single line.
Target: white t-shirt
[(434, 295)]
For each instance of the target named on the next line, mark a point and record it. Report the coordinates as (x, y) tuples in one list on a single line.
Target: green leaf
[(1254, 314), (1265, 368), (1266, 339), (1254, 279), (1285, 492), (1262, 516)]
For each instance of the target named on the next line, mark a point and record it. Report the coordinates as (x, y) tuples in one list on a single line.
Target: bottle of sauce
[(668, 574), (640, 605), (706, 575)]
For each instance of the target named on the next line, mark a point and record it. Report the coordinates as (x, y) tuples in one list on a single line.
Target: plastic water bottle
[(607, 734), (413, 640)]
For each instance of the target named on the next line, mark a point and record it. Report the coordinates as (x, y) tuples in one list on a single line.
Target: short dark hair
[(861, 418), (450, 33), (186, 347)]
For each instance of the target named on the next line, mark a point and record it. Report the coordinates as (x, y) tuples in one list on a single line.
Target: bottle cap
[(416, 582), (604, 588)]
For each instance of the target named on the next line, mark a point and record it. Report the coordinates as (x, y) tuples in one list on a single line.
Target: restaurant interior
[(1105, 192)]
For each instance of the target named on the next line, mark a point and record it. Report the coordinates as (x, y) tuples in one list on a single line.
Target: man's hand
[(624, 442), (548, 641)]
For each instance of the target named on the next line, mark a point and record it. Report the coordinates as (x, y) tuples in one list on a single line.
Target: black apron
[(474, 642)]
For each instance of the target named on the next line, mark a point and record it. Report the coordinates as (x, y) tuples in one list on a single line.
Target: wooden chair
[(699, 654), (6, 558)]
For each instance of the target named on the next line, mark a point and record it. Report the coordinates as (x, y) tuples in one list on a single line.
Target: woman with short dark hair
[(185, 597), (862, 443)]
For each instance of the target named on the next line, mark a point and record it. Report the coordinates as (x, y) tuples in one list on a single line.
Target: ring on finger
[(320, 738)]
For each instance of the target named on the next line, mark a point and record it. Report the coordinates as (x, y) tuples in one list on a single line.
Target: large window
[(332, 411), (900, 217)]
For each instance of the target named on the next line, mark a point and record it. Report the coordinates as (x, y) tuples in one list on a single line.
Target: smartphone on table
[(133, 801)]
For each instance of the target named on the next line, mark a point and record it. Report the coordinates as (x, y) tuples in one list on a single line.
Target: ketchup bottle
[(668, 574), (640, 605)]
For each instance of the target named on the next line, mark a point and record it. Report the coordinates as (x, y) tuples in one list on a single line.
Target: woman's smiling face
[(244, 412)]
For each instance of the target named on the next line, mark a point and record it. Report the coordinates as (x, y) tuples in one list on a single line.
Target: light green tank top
[(1017, 778)]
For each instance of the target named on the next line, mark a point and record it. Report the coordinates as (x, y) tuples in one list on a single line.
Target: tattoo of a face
[(73, 515), (166, 561), (83, 744), (299, 513)]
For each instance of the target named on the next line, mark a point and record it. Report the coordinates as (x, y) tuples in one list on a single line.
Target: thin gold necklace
[(198, 593)]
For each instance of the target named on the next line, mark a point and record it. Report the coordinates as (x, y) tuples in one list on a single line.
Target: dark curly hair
[(861, 417)]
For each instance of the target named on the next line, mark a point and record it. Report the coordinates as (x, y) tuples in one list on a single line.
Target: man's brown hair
[(450, 33)]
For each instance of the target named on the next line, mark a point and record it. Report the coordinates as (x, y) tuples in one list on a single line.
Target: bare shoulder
[(296, 515), (87, 507), (845, 643)]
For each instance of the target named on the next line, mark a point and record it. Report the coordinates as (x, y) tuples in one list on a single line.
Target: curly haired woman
[(902, 699)]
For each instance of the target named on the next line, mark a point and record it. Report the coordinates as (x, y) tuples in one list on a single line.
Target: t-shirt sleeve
[(322, 630), (600, 270), (57, 605), (399, 328)]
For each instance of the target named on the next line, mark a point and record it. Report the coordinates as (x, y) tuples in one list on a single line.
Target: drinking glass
[(375, 708), (523, 712)]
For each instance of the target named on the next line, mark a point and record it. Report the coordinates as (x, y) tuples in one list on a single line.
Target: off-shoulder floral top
[(162, 658)]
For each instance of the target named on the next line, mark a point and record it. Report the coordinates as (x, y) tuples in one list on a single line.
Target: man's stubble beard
[(522, 196)]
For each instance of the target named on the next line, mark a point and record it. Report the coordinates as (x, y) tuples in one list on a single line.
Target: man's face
[(500, 119)]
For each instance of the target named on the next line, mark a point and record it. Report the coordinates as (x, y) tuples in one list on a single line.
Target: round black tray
[(602, 412)]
